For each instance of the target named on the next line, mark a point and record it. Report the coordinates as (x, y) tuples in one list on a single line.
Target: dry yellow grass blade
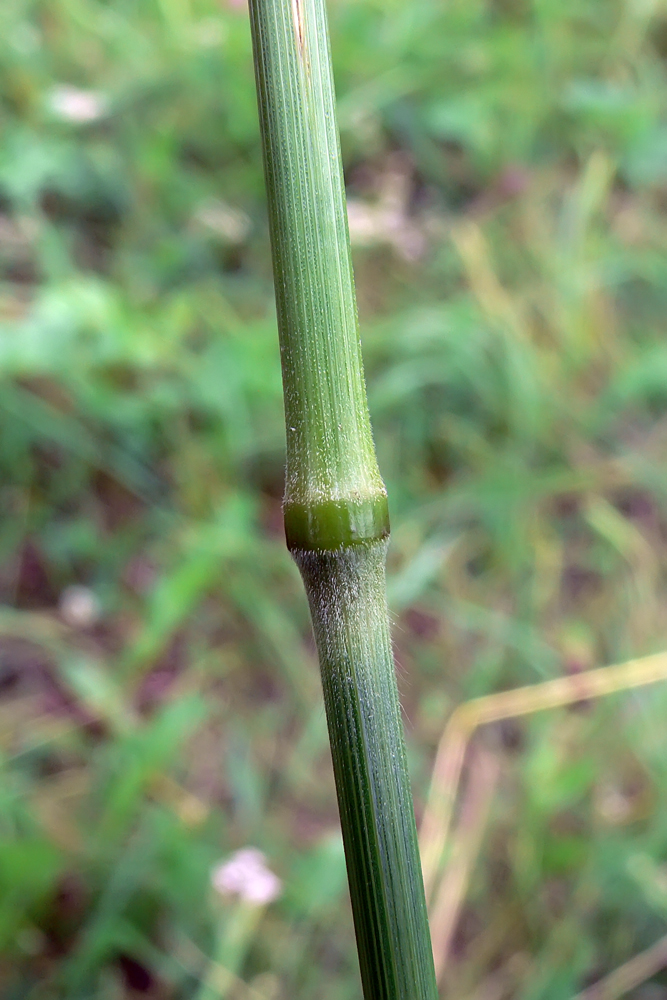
[(629, 975), (466, 844), (471, 715)]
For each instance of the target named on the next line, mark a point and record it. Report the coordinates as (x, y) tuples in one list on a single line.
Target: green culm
[(335, 505)]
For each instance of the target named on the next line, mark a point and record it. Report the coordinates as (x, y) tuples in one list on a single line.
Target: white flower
[(74, 105), (78, 606), (388, 219), (247, 876), (229, 223)]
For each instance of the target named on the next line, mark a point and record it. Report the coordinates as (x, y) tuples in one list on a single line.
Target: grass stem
[(335, 506)]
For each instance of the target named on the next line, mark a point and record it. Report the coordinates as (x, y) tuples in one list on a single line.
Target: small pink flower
[(247, 876), (74, 105)]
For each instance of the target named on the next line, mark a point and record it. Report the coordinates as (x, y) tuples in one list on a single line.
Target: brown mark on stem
[(298, 17)]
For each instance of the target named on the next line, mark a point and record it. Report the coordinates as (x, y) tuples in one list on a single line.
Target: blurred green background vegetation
[(506, 163)]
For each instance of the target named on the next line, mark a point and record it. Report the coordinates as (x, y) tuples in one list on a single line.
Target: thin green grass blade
[(335, 506)]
